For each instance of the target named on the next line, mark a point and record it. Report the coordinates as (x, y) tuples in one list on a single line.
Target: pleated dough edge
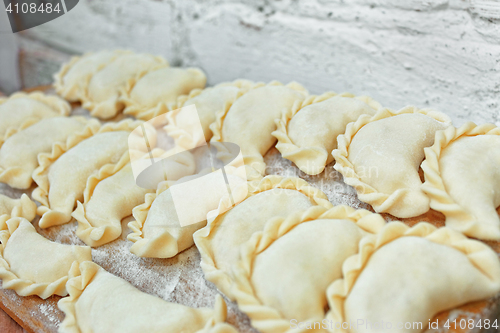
[(253, 164), (25, 287), (82, 276), (148, 113), (303, 156), (5, 174), (26, 209), (381, 202), (479, 254), (144, 247), (66, 91), (93, 107), (40, 175), (58, 77), (435, 188), (182, 137), (90, 235), (266, 318), (219, 277), (57, 104)]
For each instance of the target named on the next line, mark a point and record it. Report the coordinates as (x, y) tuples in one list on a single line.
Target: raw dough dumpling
[(307, 133), (208, 103), (62, 175), (19, 153), (158, 230), (32, 265), (255, 112), (220, 240), (73, 78), (408, 275), (22, 207), (285, 270), (110, 196), (113, 194), (380, 157), (156, 92), (22, 110), (100, 302), (462, 178), (106, 86)]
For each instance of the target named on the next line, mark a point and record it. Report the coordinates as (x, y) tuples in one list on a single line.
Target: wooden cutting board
[(181, 280)]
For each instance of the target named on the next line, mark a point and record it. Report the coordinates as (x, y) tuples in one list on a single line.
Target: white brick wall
[(430, 53)]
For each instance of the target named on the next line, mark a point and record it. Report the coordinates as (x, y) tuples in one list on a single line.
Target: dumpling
[(308, 132), (22, 110), (165, 223), (73, 78), (256, 111), (157, 91), (110, 196), (208, 103), (19, 153), (408, 275), (285, 270), (103, 98), (22, 207), (62, 174), (462, 178), (30, 264), (220, 240), (380, 157), (101, 302)]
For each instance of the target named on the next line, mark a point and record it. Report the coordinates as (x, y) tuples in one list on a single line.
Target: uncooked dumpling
[(111, 195), (100, 302), (380, 157), (106, 87), (220, 240), (285, 270), (409, 275), (156, 92), (32, 265), (19, 153), (256, 111), (22, 110), (73, 78), (210, 101), (62, 175), (308, 132), (462, 178), (165, 223)]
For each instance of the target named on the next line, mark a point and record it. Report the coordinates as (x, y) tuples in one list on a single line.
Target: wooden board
[(180, 279)]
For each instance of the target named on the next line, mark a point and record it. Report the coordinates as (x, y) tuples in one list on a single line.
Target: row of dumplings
[(289, 258), (306, 129), (31, 264), (284, 254), (379, 152), (105, 193), (109, 82), (96, 300)]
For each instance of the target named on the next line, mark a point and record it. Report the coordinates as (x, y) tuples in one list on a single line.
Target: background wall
[(443, 54)]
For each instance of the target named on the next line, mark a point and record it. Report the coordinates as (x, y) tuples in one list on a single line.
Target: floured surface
[(180, 279)]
